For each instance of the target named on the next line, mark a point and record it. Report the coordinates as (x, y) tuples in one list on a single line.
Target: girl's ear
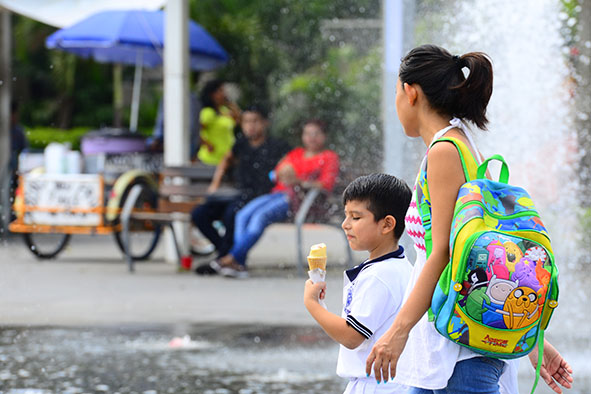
[(389, 224), (411, 93)]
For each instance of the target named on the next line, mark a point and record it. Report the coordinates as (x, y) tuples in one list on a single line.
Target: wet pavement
[(83, 324), (205, 359)]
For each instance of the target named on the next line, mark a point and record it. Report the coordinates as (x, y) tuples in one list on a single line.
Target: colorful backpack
[(498, 292)]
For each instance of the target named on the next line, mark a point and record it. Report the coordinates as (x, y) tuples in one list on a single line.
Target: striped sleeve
[(360, 328)]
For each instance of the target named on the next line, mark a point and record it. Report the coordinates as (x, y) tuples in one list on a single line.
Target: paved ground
[(88, 284)]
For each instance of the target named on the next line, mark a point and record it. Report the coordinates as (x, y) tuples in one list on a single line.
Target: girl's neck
[(431, 126)]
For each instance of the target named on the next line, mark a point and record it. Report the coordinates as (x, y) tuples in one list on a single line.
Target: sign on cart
[(63, 199)]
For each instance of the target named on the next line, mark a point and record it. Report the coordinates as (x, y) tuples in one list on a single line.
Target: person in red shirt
[(310, 166)]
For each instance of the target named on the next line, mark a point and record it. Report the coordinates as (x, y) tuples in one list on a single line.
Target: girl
[(217, 118), (433, 98)]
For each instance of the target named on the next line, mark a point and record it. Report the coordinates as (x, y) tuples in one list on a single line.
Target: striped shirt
[(414, 225)]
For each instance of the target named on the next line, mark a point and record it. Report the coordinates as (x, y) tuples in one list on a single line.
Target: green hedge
[(40, 137)]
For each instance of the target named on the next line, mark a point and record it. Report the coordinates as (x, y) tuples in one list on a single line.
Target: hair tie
[(456, 59)]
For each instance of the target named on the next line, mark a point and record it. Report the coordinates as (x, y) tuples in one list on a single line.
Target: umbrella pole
[(135, 97)]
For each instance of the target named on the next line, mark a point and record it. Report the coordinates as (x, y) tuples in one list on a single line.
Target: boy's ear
[(388, 224)]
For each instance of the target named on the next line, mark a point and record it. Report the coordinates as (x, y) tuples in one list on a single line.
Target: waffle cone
[(317, 263)]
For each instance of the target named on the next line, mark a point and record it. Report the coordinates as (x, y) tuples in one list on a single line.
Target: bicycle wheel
[(143, 235), (46, 245)]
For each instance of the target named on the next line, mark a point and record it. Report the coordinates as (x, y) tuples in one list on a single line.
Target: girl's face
[(405, 111), (219, 96), (313, 138)]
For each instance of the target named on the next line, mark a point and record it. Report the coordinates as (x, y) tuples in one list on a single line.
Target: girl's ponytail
[(474, 92), (442, 80)]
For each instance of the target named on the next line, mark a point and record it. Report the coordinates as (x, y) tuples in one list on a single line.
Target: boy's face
[(253, 125), (361, 229)]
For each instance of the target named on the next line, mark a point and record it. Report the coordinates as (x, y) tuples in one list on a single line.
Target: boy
[(375, 206)]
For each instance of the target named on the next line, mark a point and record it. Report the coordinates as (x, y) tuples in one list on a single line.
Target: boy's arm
[(335, 326)]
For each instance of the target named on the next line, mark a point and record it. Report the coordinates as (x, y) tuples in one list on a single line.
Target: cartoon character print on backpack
[(497, 261), (476, 279), (525, 273), (521, 308), (514, 254), (498, 291), (498, 265)]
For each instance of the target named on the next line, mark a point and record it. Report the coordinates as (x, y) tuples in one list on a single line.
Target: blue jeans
[(251, 221), (474, 375)]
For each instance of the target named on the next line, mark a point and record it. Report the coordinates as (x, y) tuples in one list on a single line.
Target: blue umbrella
[(123, 36), (134, 37)]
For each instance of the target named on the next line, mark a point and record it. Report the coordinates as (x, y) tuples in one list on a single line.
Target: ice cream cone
[(317, 257), (317, 263)]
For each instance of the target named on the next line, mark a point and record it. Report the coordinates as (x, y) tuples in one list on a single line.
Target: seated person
[(252, 157), (306, 167)]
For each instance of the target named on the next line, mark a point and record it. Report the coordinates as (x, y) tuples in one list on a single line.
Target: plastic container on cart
[(55, 158), (112, 140)]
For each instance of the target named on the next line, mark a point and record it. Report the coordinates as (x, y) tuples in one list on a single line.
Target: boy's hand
[(314, 291)]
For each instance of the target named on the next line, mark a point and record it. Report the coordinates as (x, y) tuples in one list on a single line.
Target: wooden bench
[(180, 189)]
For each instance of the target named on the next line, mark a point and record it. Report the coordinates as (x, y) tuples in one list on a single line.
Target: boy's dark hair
[(385, 195), (258, 109), (449, 92)]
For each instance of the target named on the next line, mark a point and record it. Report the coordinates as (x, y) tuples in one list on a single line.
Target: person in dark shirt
[(18, 140), (252, 158)]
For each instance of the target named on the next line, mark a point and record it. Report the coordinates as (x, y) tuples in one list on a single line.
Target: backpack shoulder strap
[(423, 198), (469, 162)]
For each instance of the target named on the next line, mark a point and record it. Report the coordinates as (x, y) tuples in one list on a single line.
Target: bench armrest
[(310, 197)]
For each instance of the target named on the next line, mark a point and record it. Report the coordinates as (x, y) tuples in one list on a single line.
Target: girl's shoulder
[(450, 147)]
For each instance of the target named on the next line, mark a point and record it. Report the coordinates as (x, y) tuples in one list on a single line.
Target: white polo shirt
[(372, 295)]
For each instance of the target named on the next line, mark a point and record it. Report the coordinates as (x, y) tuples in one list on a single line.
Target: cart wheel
[(143, 235), (46, 245)]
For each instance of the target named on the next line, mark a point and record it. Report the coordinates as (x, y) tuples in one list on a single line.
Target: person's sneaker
[(234, 271), (211, 268)]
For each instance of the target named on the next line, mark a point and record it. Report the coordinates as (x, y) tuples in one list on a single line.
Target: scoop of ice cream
[(317, 257), (318, 250)]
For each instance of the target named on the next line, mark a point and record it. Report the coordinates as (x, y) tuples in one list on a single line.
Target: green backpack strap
[(504, 174), (469, 162), (540, 359), (470, 167)]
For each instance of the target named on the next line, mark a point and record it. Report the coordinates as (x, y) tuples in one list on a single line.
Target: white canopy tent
[(62, 13)]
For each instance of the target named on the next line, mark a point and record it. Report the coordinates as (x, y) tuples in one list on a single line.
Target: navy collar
[(354, 272)]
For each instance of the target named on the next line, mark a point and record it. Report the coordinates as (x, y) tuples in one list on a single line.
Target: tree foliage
[(280, 58)]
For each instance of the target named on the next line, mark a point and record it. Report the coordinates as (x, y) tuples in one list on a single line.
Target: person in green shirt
[(218, 117)]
